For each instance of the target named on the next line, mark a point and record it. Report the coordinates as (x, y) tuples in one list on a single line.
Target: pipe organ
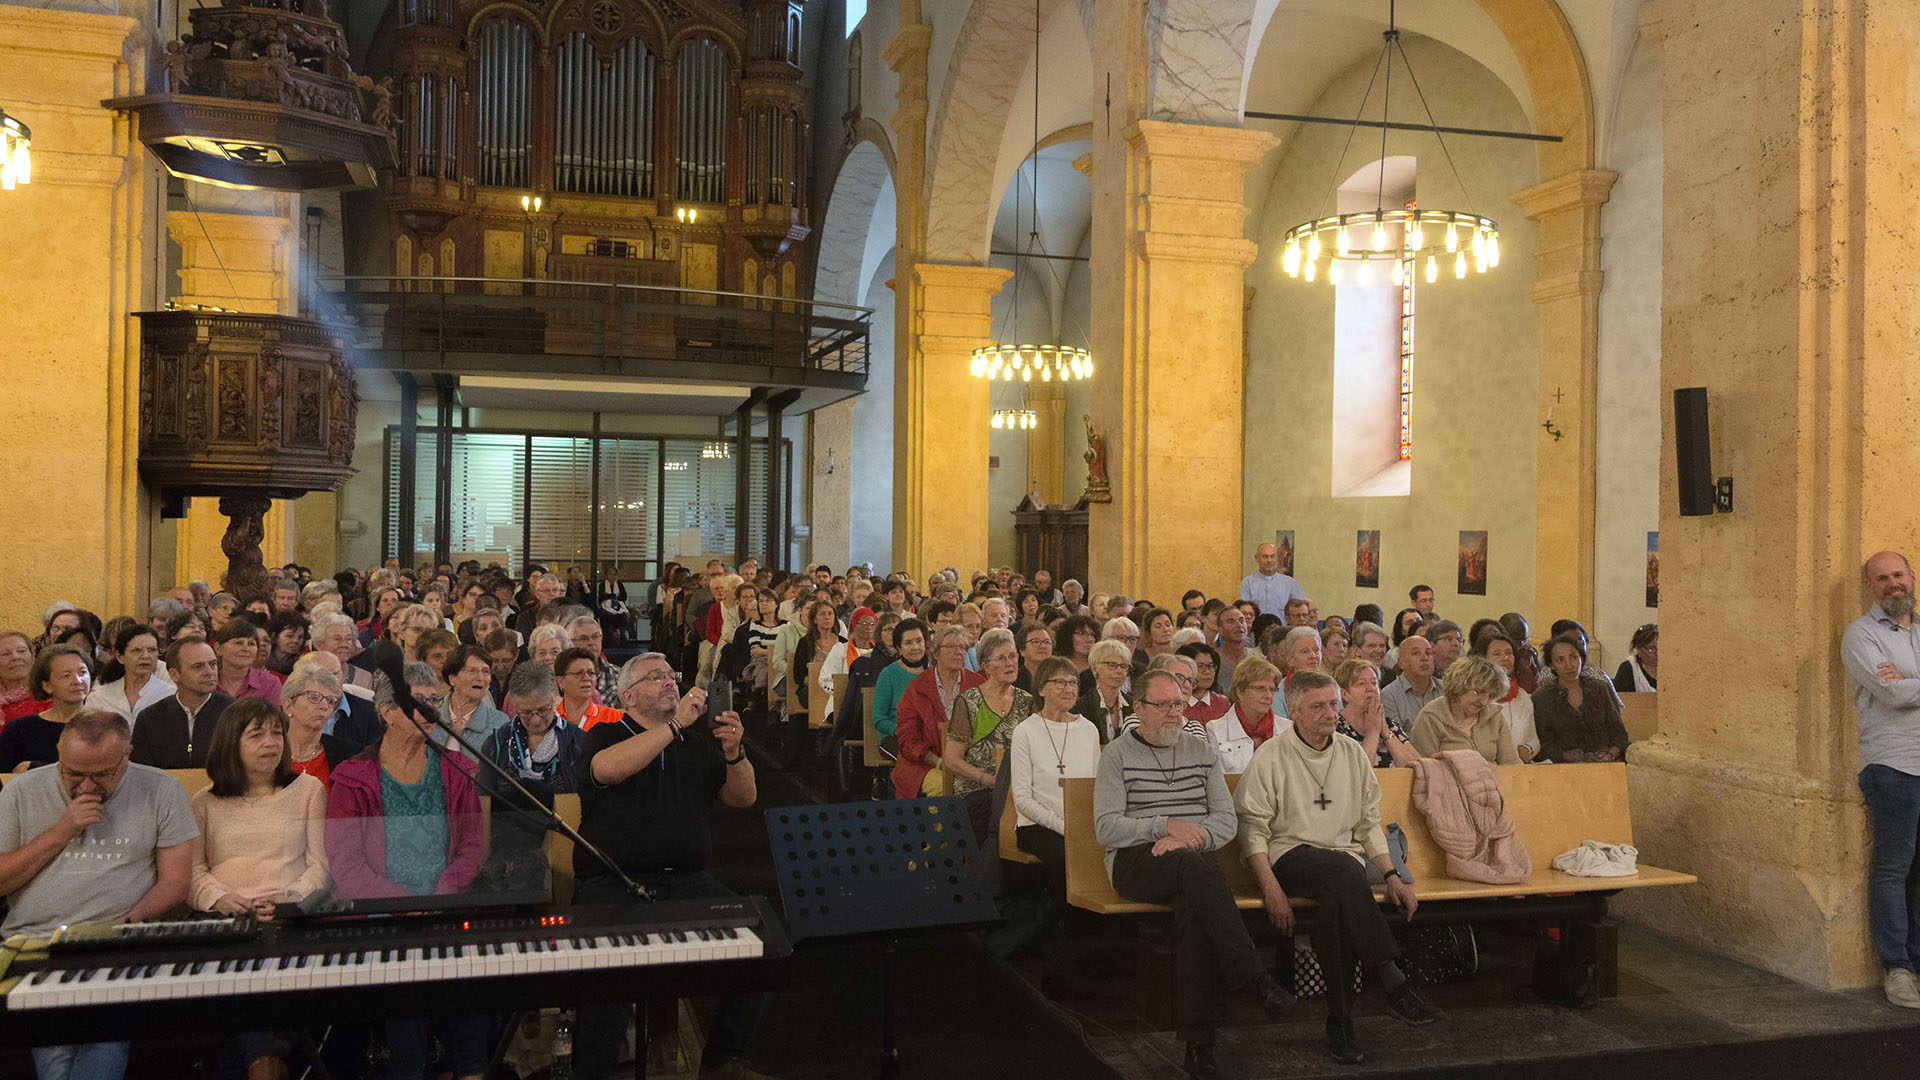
[(620, 116)]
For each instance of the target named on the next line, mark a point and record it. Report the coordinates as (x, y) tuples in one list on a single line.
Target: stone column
[(1567, 297), (1047, 443), (940, 417), (1791, 303), (1168, 360)]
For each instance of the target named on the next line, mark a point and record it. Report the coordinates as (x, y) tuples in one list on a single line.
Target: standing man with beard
[(1882, 656)]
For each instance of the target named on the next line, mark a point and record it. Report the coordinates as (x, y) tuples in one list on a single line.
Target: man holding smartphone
[(647, 801)]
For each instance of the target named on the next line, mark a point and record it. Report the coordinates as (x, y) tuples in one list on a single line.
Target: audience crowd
[(319, 782)]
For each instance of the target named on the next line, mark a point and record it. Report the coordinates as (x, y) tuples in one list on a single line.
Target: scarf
[(1261, 731), (1641, 684), (536, 763), (1513, 691)]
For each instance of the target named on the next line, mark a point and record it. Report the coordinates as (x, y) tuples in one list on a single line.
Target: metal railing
[(533, 324)]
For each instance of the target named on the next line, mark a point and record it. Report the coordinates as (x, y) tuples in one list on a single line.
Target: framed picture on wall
[(1473, 564), (1653, 569), (1366, 559), (1283, 540)]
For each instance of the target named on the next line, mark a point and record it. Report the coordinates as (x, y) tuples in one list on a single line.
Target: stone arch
[(1557, 79), (976, 101), (1197, 56), (864, 176)]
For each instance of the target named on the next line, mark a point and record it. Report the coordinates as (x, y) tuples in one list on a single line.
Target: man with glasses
[(646, 800), (1162, 810), (93, 839)]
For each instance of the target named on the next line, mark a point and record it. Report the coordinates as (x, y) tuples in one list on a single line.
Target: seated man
[(1309, 822), (1161, 809), (173, 733), (95, 839)]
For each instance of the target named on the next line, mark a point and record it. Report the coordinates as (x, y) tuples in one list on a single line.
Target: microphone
[(393, 666)]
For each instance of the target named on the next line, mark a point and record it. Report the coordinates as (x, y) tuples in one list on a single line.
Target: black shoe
[(1200, 1063), (1340, 1044), (1275, 1000), (1409, 1007)]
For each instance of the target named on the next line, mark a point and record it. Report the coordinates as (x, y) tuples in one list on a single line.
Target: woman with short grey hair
[(980, 727)]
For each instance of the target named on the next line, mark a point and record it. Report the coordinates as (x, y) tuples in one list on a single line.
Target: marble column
[(1786, 286), (941, 415), (1168, 292), (1566, 296)]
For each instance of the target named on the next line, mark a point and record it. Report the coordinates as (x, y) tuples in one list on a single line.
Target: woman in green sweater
[(910, 645)]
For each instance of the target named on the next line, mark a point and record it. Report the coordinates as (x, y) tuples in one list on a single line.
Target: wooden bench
[(1640, 714), (1553, 807)]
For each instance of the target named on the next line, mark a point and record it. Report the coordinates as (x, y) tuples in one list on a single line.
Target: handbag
[(1309, 980)]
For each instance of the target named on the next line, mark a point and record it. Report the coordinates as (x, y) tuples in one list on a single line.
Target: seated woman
[(1051, 745), (1467, 714), (981, 725), (546, 643), (403, 819), (16, 661), (1036, 645), (1576, 713), (821, 635), (435, 647), (840, 659), (310, 698), (1251, 720), (1205, 706), (1640, 673), (1364, 719), (262, 836), (60, 678), (1333, 644), (910, 660), (238, 648), (541, 749), (1156, 636), (469, 707), (925, 707), (1105, 703), (141, 682), (1299, 651), (288, 631), (1516, 703), (576, 671)]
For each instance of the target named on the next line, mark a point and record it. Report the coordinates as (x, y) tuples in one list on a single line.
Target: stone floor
[(1681, 1011)]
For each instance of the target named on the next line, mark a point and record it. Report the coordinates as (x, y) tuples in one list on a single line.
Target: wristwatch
[(1391, 870)]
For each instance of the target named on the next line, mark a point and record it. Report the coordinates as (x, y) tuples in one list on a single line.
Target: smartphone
[(719, 697)]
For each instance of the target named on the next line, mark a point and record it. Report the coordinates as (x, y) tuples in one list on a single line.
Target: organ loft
[(639, 142)]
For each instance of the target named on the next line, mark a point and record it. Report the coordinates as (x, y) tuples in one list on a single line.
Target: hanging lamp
[(1026, 363), (1403, 240), (16, 162)]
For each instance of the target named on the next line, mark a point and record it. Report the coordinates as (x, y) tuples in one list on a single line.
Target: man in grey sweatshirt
[(1162, 810)]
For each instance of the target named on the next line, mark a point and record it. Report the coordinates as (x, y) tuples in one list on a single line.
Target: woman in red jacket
[(923, 712)]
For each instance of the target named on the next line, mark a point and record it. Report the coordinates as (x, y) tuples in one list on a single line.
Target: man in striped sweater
[(1162, 810)]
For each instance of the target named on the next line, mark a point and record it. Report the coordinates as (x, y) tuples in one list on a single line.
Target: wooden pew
[(1553, 807), (794, 708), (1640, 712), (870, 754)]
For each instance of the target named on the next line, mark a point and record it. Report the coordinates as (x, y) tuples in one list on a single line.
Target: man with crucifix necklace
[(1310, 827), (1162, 810)]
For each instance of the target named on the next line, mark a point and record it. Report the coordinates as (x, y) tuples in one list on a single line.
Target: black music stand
[(880, 868)]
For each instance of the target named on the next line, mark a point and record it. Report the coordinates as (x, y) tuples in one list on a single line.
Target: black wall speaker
[(1692, 452)]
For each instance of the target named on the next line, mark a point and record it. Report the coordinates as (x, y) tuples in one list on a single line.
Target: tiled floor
[(1673, 997)]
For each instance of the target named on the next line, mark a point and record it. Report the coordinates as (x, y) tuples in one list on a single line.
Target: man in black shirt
[(647, 799), (173, 733)]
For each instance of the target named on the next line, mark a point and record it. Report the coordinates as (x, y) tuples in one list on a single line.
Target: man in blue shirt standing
[(1269, 588), (1882, 655)]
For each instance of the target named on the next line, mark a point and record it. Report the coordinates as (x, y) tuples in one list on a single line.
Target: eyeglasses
[(430, 701), (1114, 665), (1067, 682), (546, 715), (1159, 706), (1128, 638), (104, 776), (656, 677), (316, 697)]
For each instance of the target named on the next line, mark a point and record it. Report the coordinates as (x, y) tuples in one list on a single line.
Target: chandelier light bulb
[(1379, 235), (1333, 271), (1479, 242), (1433, 270), (1310, 269), (1340, 242), (1290, 258), (1313, 250), (1453, 239), (1493, 249), (1460, 264)]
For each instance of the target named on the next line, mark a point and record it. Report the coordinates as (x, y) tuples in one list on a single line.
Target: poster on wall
[(1283, 540), (1366, 559), (1473, 564), (1653, 569)]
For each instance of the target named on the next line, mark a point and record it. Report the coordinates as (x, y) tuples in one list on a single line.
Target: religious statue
[(178, 65), (383, 104), (1096, 459)]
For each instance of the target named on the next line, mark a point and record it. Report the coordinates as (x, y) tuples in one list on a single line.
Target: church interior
[(1555, 311)]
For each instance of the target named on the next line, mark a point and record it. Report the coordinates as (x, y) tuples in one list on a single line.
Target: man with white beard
[(1882, 656)]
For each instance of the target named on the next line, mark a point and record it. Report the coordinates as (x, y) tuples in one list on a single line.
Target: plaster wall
[(81, 252), (1627, 411), (832, 520), (1476, 353), (870, 449)]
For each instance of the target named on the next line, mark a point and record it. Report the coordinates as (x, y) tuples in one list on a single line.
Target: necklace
[(1059, 749), (1322, 802), (1166, 771)]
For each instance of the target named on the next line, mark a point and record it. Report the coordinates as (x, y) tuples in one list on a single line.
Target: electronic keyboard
[(89, 986)]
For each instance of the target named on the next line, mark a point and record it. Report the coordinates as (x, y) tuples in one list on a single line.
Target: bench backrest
[(1553, 808), (1640, 712), (870, 754)]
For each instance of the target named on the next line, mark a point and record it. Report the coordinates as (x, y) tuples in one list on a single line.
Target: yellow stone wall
[(75, 261)]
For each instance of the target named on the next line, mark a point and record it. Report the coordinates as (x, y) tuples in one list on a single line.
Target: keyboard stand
[(882, 870)]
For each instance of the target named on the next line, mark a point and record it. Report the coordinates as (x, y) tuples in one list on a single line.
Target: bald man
[(1268, 587), (1882, 657)]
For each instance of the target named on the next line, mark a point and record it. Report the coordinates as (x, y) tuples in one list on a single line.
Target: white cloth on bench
[(1595, 859)]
